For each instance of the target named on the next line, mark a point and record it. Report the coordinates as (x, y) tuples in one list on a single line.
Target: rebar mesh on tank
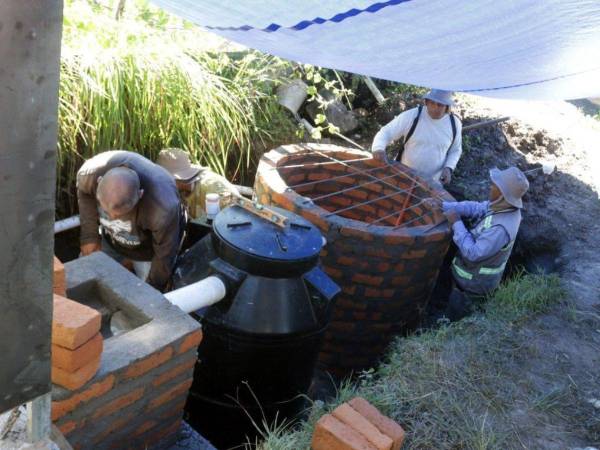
[(374, 179)]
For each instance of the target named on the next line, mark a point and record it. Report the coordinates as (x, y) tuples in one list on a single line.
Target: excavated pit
[(385, 243)]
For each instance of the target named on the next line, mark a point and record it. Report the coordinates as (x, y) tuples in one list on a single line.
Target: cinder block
[(75, 380), (71, 360), (59, 278), (345, 413), (332, 434), (383, 423), (73, 324)]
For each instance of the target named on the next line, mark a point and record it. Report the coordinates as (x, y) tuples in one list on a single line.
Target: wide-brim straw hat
[(512, 183), (439, 96), (177, 162)]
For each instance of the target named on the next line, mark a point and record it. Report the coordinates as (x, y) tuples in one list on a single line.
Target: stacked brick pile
[(386, 273), (76, 339), (76, 343), (357, 425)]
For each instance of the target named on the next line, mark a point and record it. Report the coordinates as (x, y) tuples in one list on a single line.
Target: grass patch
[(146, 82), (453, 387)]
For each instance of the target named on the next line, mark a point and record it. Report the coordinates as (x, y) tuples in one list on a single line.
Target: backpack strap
[(453, 124), (414, 124), (410, 132)]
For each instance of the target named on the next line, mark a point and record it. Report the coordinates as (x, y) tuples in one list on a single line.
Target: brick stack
[(386, 273), (357, 425), (76, 343)]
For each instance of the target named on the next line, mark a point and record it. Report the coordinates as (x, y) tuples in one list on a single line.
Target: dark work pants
[(461, 303)]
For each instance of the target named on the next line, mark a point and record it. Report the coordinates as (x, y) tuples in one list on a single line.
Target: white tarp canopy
[(529, 49)]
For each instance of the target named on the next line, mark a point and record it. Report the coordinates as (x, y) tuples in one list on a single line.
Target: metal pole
[(30, 34)]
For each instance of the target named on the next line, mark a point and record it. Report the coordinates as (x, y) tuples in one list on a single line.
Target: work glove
[(449, 206), (380, 155)]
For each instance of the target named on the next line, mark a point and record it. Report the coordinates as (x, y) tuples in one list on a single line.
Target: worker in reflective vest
[(484, 250)]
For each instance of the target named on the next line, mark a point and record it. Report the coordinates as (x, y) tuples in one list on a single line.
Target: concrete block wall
[(386, 273), (136, 399)]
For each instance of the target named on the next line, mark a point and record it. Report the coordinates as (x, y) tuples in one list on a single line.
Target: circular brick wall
[(386, 271)]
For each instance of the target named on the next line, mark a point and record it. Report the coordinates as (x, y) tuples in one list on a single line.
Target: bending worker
[(484, 250), (193, 181), (432, 137), (136, 204)]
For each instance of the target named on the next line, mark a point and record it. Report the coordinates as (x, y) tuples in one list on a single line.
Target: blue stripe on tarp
[(304, 24)]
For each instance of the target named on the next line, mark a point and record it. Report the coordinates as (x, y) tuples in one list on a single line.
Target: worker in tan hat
[(193, 181), (483, 251)]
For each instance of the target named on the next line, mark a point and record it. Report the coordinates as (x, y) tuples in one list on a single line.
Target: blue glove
[(448, 206)]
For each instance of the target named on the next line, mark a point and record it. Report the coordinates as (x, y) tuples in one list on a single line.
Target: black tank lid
[(262, 248)]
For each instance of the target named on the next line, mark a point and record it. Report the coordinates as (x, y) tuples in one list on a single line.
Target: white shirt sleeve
[(398, 127), (456, 149)]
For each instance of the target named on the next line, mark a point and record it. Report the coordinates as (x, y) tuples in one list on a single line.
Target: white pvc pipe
[(198, 295), (66, 224)]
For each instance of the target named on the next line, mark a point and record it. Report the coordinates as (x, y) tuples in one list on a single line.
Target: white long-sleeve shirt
[(427, 151)]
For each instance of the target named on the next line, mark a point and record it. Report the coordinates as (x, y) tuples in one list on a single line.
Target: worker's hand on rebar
[(380, 155), (87, 249), (446, 175), (448, 206), (452, 216)]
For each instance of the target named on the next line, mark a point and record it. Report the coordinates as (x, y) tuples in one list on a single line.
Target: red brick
[(162, 433), (71, 360), (172, 393), (147, 364), (414, 254), (373, 293), (367, 279), (363, 235), (348, 415), (384, 424), (178, 370), (73, 324), (119, 403), (383, 267), (75, 380), (191, 341), (335, 273), (120, 422), (148, 425), (346, 261), (350, 290), (62, 407), (59, 278), (68, 427), (332, 434)]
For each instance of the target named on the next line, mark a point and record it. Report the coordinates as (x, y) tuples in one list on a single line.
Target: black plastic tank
[(260, 345)]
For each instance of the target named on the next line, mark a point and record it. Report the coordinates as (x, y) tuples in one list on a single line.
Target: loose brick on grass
[(75, 380), (345, 413), (73, 324), (71, 360), (383, 423), (332, 434)]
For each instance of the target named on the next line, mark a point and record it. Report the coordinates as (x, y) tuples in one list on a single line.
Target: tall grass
[(130, 85)]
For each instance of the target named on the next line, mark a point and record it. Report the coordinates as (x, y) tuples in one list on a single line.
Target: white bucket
[(292, 95)]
